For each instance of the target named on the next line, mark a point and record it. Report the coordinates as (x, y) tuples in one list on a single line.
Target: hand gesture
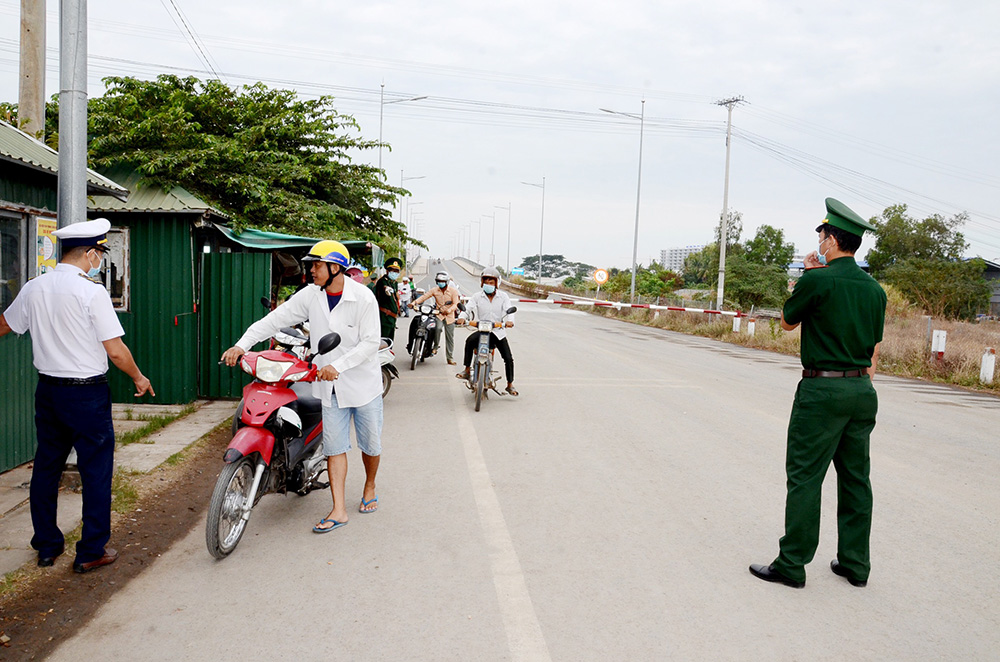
[(811, 261), (142, 385)]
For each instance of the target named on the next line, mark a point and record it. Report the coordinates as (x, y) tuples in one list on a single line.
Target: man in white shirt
[(74, 330), (491, 304), (336, 303)]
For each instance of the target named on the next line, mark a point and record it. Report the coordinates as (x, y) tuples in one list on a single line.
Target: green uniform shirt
[(842, 310), (385, 293)]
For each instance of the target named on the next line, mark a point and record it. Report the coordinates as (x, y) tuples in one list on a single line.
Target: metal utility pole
[(507, 208), (72, 202), (31, 87), (541, 226), (638, 189), (724, 223)]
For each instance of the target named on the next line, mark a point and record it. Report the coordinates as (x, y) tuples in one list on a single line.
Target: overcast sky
[(873, 103)]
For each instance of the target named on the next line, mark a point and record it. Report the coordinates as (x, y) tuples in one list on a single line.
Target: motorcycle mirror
[(461, 306), (512, 310), (329, 342), (264, 301)]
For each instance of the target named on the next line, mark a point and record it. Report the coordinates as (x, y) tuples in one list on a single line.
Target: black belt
[(73, 381), (833, 373)]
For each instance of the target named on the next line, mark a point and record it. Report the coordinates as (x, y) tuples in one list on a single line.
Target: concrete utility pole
[(31, 87), (72, 112), (724, 223)]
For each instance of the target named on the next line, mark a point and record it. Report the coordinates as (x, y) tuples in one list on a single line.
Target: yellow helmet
[(330, 251)]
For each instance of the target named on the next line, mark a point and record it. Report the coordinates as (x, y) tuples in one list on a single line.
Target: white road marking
[(524, 633)]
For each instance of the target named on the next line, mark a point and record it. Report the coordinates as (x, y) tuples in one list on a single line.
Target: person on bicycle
[(490, 304), (447, 298)]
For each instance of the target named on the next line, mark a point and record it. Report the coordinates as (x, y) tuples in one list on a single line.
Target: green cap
[(840, 216), (393, 262)]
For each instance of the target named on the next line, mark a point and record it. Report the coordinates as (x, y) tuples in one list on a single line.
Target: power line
[(184, 25)]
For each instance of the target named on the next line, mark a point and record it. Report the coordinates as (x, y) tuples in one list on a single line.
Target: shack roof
[(149, 197), (17, 146)]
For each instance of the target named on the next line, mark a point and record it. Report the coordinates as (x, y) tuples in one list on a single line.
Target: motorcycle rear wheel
[(225, 525), (480, 385), (386, 381)]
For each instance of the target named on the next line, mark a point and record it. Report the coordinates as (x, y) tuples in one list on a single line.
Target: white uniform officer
[(74, 330)]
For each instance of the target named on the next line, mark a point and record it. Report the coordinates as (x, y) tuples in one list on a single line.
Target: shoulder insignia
[(87, 278)]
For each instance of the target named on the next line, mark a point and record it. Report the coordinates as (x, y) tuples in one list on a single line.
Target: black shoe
[(769, 574), (839, 570), (48, 561)]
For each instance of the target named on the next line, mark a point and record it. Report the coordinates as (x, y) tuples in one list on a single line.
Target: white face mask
[(821, 256)]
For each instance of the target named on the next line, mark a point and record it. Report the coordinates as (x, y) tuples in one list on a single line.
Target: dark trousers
[(831, 421), (73, 417), (472, 344)]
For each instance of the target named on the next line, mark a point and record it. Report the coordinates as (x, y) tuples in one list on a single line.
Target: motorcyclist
[(491, 304), (335, 302), (405, 294), (447, 298)]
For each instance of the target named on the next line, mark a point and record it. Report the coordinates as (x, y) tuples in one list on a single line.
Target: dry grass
[(905, 347)]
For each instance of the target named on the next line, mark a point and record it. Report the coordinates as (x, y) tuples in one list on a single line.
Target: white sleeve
[(102, 314), (293, 311), (369, 337), (17, 312)]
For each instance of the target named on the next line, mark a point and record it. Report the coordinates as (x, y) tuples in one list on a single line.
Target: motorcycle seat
[(309, 405)]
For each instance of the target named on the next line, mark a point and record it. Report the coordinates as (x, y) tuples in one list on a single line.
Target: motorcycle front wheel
[(386, 381), (225, 524), (480, 385), (418, 349)]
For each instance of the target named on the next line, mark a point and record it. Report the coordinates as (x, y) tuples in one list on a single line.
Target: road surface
[(608, 513)]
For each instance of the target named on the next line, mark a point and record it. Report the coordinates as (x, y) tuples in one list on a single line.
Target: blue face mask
[(442, 284), (94, 272), (393, 275), (489, 289), (821, 256)]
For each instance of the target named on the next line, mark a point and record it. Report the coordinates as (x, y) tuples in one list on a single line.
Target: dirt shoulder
[(47, 605)]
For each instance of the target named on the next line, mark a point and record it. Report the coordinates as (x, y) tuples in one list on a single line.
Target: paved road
[(610, 512)]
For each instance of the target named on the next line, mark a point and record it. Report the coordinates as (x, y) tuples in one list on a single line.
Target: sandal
[(511, 390), (462, 375)]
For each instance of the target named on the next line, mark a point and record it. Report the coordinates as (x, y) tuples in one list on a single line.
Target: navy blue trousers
[(69, 417)]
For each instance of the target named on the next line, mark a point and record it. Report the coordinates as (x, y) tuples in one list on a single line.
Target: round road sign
[(600, 276)]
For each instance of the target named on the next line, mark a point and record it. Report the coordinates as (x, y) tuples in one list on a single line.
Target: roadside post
[(988, 366), (938, 341)]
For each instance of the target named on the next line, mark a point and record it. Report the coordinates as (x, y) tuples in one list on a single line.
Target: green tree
[(769, 247), (752, 284), (263, 156), (555, 266), (900, 237), (955, 289), (702, 267)]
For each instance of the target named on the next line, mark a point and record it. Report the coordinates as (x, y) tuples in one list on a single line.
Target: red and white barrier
[(617, 305)]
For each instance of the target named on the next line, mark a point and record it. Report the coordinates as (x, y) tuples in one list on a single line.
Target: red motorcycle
[(277, 439)]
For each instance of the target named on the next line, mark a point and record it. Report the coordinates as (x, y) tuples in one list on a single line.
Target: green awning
[(362, 252)]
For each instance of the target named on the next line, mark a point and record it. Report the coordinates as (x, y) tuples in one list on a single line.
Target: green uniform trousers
[(831, 420), (388, 325)]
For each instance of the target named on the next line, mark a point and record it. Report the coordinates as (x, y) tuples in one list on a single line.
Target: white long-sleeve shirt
[(493, 311), (355, 318)]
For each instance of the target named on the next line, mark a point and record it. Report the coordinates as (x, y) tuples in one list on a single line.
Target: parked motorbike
[(389, 372), (482, 378), (423, 342), (277, 441)]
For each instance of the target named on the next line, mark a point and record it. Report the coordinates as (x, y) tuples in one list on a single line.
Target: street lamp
[(508, 235), (541, 229), (479, 237), (401, 180), (493, 236), (382, 103), (638, 187)]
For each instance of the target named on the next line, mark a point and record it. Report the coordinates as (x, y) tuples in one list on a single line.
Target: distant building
[(673, 258)]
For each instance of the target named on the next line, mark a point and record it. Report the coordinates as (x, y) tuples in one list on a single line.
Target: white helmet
[(490, 272), (442, 275)]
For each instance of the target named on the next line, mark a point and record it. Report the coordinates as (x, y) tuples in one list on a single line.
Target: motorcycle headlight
[(485, 326), (426, 309), (296, 376), (271, 371)]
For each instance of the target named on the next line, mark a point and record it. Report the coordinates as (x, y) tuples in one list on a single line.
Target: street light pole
[(724, 223), (493, 237), (541, 229), (382, 103), (508, 234), (401, 216), (638, 189)]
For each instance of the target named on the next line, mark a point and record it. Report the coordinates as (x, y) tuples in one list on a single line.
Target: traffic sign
[(517, 272), (600, 276)]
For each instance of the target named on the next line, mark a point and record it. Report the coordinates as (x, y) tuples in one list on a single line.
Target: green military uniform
[(386, 293), (842, 310)]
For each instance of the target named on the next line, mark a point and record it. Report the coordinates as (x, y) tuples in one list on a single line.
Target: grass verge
[(153, 424)]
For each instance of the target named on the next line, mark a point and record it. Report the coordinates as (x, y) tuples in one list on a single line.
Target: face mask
[(94, 272), (822, 256), (393, 275), (441, 284), (489, 289)]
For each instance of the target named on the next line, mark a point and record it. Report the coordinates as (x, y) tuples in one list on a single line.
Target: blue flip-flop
[(365, 504), (336, 525)]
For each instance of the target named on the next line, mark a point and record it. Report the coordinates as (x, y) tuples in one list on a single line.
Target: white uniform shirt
[(69, 316), (355, 318), (491, 311)]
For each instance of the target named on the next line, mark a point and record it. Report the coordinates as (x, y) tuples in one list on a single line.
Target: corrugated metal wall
[(162, 293), (231, 287), (26, 186), (17, 393)]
